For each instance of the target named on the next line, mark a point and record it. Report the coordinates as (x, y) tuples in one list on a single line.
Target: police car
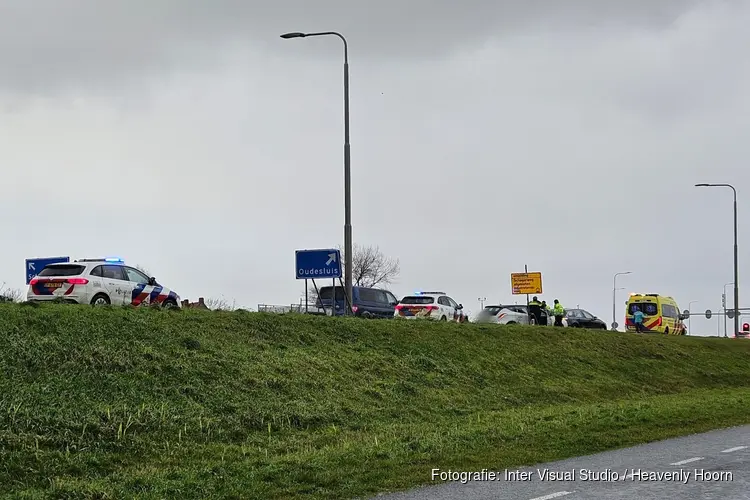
[(99, 282), (430, 305)]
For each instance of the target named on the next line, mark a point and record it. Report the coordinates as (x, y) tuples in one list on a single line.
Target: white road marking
[(683, 462), (553, 495), (736, 448)]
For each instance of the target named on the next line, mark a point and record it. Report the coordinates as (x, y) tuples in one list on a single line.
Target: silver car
[(509, 315)]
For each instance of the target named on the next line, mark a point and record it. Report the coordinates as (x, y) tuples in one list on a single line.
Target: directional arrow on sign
[(31, 266), (331, 258)]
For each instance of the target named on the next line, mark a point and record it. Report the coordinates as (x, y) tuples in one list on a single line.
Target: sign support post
[(318, 263), (528, 311), (317, 294), (526, 283), (346, 298)]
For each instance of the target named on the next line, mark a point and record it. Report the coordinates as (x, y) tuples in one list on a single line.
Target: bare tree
[(312, 296), (11, 294), (220, 304), (370, 268)]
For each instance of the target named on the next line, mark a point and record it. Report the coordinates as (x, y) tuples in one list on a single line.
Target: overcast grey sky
[(189, 138)]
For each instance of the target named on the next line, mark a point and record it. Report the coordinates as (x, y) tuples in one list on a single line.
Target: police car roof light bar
[(107, 259)]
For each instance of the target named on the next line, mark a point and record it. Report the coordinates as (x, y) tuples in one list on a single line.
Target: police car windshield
[(62, 270), (418, 299)]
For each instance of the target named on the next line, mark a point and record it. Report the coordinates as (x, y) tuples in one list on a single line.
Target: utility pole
[(736, 271), (690, 318), (614, 298), (724, 305), (348, 250)]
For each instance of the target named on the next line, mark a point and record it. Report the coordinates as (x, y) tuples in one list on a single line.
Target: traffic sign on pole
[(708, 313), (35, 266), (526, 283), (316, 264), (730, 313)]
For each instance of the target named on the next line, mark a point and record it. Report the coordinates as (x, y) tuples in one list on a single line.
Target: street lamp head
[(286, 36), (702, 184)]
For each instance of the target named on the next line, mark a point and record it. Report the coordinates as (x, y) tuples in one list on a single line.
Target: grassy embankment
[(116, 403)]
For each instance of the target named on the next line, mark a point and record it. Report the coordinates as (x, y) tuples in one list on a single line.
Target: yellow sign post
[(526, 283)]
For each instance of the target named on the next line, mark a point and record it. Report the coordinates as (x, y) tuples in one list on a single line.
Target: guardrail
[(292, 308)]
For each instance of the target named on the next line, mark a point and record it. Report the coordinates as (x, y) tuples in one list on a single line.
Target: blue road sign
[(317, 264), (34, 266)]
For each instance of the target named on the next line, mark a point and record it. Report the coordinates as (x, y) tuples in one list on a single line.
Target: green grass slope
[(123, 403)]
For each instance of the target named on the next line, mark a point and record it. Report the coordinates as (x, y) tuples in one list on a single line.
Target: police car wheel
[(100, 300), (443, 318), (169, 304)]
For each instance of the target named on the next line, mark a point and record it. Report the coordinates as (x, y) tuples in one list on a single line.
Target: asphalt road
[(709, 466)]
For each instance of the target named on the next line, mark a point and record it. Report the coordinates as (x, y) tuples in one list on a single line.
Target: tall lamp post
[(481, 302), (736, 272), (690, 318), (348, 253), (614, 297), (724, 303)]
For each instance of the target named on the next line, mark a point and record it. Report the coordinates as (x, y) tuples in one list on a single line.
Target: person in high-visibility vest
[(535, 308), (559, 312), (546, 313)]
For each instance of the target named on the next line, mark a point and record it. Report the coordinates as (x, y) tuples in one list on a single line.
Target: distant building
[(201, 304)]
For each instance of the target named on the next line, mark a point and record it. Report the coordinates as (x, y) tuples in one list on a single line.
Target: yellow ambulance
[(662, 315)]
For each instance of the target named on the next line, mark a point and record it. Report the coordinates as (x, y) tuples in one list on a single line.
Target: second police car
[(99, 282), (430, 305)]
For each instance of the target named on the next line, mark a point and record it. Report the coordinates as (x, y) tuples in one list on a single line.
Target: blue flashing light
[(114, 259)]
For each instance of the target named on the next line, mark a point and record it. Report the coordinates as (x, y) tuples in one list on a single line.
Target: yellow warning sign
[(526, 283)]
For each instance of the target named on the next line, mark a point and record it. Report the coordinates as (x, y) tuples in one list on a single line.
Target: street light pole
[(481, 302), (736, 271), (614, 297), (690, 318), (724, 297), (348, 251)]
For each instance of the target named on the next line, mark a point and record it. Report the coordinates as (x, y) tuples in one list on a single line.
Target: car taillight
[(399, 307), (354, 308), (34, 281), (77, 281)]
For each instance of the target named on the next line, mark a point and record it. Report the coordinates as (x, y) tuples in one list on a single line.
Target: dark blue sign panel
[(34, 266), (317, 264)]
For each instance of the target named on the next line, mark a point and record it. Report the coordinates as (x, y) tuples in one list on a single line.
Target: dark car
[(367, 302), (580, 318)]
